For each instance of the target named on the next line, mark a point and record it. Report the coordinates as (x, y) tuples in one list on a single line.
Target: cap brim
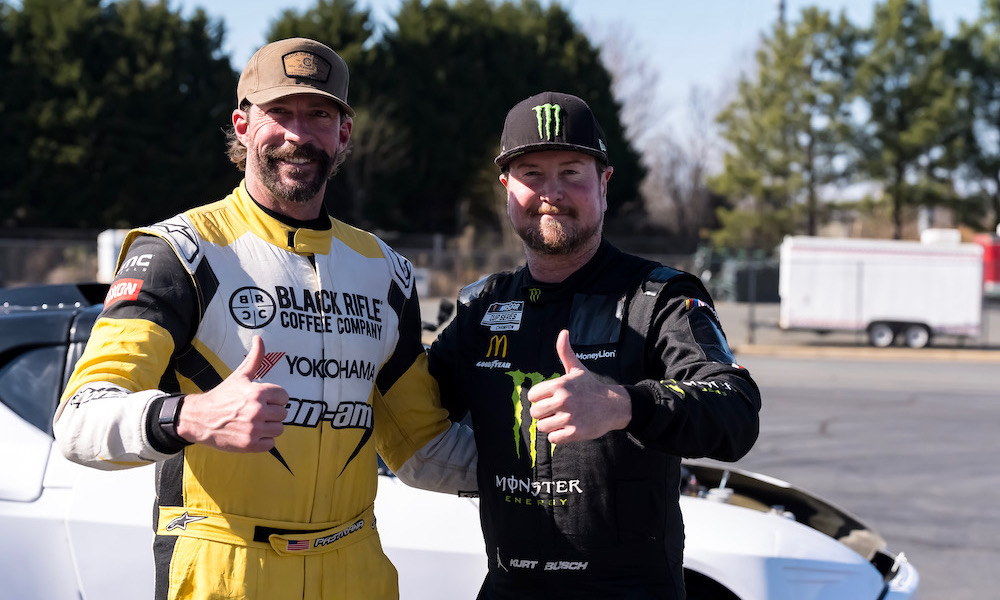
[(272, 94), (504, 158)]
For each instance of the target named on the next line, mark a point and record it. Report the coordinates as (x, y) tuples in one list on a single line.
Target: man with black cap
[(587, 374), (258, 352)]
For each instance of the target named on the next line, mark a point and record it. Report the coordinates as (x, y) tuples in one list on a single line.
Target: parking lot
[(903, 438), (909, 447)]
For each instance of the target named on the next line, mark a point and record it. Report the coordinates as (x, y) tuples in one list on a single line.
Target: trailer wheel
[(917, 336), (881, 335)]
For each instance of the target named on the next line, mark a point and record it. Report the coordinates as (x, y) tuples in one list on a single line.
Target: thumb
[(566, 354), (248, 368)]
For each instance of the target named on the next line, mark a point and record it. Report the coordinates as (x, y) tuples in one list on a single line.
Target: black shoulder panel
[(662, 276), (474, 290)]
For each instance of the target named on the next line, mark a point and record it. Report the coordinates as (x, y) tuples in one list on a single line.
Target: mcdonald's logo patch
[(498, 347)]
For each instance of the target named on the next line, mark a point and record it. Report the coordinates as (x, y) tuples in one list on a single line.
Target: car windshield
[(29, 385)]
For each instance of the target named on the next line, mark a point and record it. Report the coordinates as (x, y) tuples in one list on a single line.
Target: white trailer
[(895, 291)]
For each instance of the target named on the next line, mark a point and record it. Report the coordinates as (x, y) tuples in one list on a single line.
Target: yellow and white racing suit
[(338, 314)]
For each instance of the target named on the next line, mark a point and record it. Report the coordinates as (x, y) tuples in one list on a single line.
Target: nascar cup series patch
[(504, 316)]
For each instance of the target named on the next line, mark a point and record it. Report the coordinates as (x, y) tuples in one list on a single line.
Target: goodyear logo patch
[(504, 316)]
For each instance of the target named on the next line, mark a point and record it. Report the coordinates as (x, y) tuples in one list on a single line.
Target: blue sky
[(701, 43)]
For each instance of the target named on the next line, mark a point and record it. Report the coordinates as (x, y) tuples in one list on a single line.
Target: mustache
[(549, 209), (306, 151)]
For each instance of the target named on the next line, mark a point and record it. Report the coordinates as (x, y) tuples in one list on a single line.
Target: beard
[(304, 187), (554, 238)]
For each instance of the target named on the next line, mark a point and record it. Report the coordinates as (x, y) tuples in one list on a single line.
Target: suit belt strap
[(283, 537)]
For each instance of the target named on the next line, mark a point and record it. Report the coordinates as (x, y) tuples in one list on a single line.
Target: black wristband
[(170, 411)]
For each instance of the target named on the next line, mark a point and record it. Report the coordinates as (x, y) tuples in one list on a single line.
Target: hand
[(238, 415), (577, 406)]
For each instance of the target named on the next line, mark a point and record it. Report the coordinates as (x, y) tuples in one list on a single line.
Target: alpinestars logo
[(548, 120), (182, 521)]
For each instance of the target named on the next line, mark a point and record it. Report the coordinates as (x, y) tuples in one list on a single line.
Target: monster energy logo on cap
[(551, 121), (547, 115)]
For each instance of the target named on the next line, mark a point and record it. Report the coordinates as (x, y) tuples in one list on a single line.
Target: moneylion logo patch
[(549, 122)]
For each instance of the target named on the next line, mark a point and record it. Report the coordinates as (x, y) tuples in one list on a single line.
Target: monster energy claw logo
[(519, 379), (548, 117), (534, 294)]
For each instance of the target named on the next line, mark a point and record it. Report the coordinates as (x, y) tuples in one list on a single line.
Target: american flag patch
[(696, 303), (294, 545)]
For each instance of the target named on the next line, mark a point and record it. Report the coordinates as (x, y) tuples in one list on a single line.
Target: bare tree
[(675, 190), (634, 83), (674, 193)]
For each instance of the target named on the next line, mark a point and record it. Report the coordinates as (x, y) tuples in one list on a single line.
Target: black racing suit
[(595, 519)]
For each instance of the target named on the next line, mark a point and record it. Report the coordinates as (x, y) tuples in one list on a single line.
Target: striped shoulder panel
[(185, 241), (364, 243), (218, 223), (183, 238), (371, 246)]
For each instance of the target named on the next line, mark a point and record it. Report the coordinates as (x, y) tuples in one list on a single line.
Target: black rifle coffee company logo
[(252, 307)]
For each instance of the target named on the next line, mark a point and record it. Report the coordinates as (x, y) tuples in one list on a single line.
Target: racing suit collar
[(544, 293), (302, 237)]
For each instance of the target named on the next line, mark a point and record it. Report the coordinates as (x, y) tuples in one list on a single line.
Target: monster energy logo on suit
[(547, 115)]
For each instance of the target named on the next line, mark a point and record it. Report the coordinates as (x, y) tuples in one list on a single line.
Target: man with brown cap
[(587, 374), (259, 352)]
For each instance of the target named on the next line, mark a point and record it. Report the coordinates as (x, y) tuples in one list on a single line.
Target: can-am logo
[(345, 415)]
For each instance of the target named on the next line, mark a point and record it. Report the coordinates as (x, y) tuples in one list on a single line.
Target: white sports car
[(69, 532)]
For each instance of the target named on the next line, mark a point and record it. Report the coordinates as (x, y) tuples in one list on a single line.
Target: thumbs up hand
[(238, 415), (576, 406)]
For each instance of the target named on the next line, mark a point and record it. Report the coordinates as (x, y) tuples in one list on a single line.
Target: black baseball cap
[(551, 121)]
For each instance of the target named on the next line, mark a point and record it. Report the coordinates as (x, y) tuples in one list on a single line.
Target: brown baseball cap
[(294, 66)]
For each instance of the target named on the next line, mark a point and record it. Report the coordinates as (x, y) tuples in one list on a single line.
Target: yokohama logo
[(270, 359), (123, 289)]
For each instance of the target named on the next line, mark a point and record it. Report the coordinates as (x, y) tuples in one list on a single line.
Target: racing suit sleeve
[(443, 365), (412, 431), (108, 415), (700, 403)]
